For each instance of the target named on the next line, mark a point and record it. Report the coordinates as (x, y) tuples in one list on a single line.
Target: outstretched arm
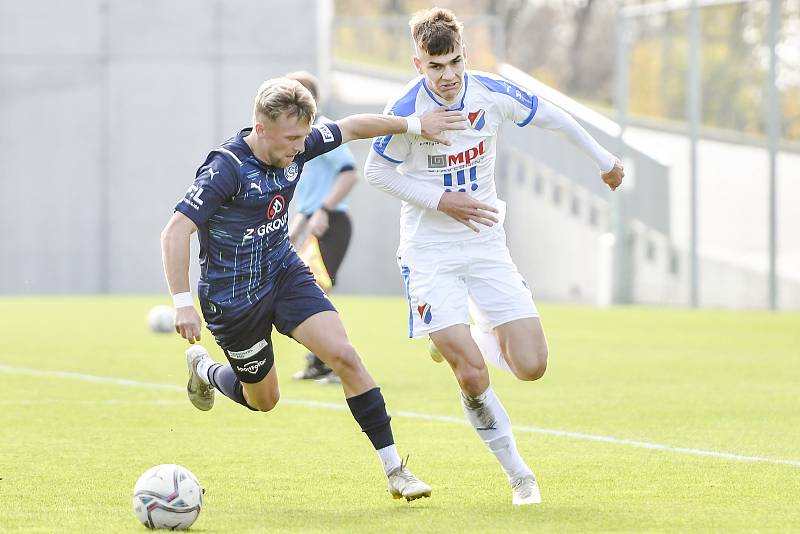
[(552, 117), (431, 125), (460, 206), (175, 254)]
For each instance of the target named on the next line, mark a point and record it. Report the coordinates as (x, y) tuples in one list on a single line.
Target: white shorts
[(445, 281)]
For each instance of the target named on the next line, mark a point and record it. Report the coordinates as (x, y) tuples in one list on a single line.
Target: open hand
[(467, 210), (437, 121)]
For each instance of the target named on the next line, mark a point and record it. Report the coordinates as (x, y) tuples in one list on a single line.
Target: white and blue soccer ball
[(161, 319), (167, 496)]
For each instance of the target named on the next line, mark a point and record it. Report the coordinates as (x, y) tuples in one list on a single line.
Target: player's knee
[(472, 378), (534, 368), (343, 358), (264, 402)]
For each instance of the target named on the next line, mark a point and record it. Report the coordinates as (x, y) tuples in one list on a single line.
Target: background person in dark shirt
[(323, 215)]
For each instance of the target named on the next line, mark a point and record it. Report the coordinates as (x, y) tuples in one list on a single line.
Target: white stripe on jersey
[(228, 152)]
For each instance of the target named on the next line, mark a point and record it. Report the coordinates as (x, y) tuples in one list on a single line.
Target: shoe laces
[(523, 486), (402, 471)]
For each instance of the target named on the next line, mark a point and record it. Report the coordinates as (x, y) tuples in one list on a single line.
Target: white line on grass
[(84, 402), (413, 415)]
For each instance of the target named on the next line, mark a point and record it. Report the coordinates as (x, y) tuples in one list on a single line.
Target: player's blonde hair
[(282, 95), (437, 31)]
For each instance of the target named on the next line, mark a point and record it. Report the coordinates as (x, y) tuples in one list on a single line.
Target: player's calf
[(524, 346), (261, 398)]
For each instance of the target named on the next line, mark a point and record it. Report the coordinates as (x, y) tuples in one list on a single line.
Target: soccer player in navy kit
[(251, 277)]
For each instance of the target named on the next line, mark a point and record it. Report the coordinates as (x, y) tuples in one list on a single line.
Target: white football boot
[(200, 393), (403, 484), (525, 490), (434, 352)]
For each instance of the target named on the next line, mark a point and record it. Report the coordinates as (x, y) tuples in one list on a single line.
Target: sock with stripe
[(490, 420)]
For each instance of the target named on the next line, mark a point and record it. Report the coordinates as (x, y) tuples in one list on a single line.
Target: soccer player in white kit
[(449, 267)]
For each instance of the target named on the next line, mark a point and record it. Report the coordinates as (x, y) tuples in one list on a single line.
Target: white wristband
[(181, 300), (414, 125)]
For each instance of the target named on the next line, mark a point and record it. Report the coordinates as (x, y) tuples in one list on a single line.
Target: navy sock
[(369, 410), (224, 379)]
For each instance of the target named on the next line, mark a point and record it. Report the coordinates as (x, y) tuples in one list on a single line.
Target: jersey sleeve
[(394, 148), (397, 147), (323, 138), (216, 182), (515, 103)]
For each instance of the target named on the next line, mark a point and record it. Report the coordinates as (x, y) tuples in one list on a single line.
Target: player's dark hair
[(280, 96), (437, 31)]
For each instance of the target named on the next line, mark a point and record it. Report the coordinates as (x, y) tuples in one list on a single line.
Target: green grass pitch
[(71, 449)]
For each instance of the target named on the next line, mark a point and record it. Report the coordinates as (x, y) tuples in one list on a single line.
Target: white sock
[(389, 458), (489, 347), (490, 419), (203, 367)]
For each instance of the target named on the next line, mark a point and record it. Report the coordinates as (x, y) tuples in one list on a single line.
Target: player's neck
[(250, 139), (447, 102)]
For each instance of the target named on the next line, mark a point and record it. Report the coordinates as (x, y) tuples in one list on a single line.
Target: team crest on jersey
[(291, 172), (276, 206), (424, 311), (477, 119)]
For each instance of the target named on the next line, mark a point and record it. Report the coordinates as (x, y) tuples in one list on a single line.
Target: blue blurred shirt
[(319, 175)]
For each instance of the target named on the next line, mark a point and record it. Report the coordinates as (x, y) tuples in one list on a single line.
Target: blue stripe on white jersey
[(404, 107), (406, 273), (522, 96)]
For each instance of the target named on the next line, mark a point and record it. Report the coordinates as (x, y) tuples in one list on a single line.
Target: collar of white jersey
[(459, 98)]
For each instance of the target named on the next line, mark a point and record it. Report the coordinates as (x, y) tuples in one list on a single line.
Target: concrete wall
[(555, 230), (108, 107)]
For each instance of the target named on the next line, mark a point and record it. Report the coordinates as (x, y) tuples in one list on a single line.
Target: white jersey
[(467, 164)]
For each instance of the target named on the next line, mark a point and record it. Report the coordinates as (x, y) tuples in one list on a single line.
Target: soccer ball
[(167, 496), (161, 319)]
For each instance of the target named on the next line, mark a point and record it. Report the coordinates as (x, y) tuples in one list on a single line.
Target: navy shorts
[(246, 338)]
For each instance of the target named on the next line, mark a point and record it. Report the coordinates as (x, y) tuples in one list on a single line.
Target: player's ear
[(417, 64)]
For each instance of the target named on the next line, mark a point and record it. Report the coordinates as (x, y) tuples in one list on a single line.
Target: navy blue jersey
[(241, 208)]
